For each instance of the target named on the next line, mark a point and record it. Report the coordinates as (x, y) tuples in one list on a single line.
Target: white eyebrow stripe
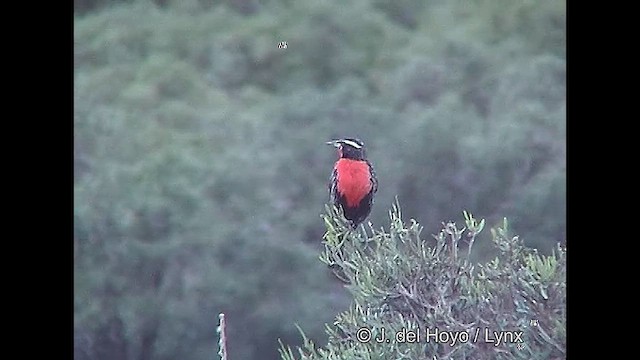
[(352, 143)]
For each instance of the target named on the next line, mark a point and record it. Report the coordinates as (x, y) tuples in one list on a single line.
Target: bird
[(353, 183)]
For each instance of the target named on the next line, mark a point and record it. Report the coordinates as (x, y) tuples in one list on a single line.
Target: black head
[(350, 148)]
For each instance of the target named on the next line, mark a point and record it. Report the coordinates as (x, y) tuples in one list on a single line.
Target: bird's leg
[(365, 239), (364, 231)]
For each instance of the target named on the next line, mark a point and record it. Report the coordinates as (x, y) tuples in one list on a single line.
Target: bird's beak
[(335, 143)]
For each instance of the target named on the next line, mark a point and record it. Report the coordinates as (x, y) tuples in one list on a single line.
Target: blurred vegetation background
[(200, 168)]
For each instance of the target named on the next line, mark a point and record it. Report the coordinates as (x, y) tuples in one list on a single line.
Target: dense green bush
[(200, 169), (440, 304)]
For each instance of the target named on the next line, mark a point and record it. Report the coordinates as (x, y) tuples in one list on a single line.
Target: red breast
[(354, 180)]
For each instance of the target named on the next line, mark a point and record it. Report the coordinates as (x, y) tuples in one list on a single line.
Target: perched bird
[(353, 182)]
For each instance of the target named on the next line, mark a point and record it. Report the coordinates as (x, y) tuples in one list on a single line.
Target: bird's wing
[(333, 186), (374, 179)]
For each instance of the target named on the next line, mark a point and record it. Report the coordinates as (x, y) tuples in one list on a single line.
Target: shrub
[(404, 284)]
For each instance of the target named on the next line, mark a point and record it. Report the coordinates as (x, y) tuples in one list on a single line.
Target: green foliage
[(199, 169), (402, 283), (404, 12)]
